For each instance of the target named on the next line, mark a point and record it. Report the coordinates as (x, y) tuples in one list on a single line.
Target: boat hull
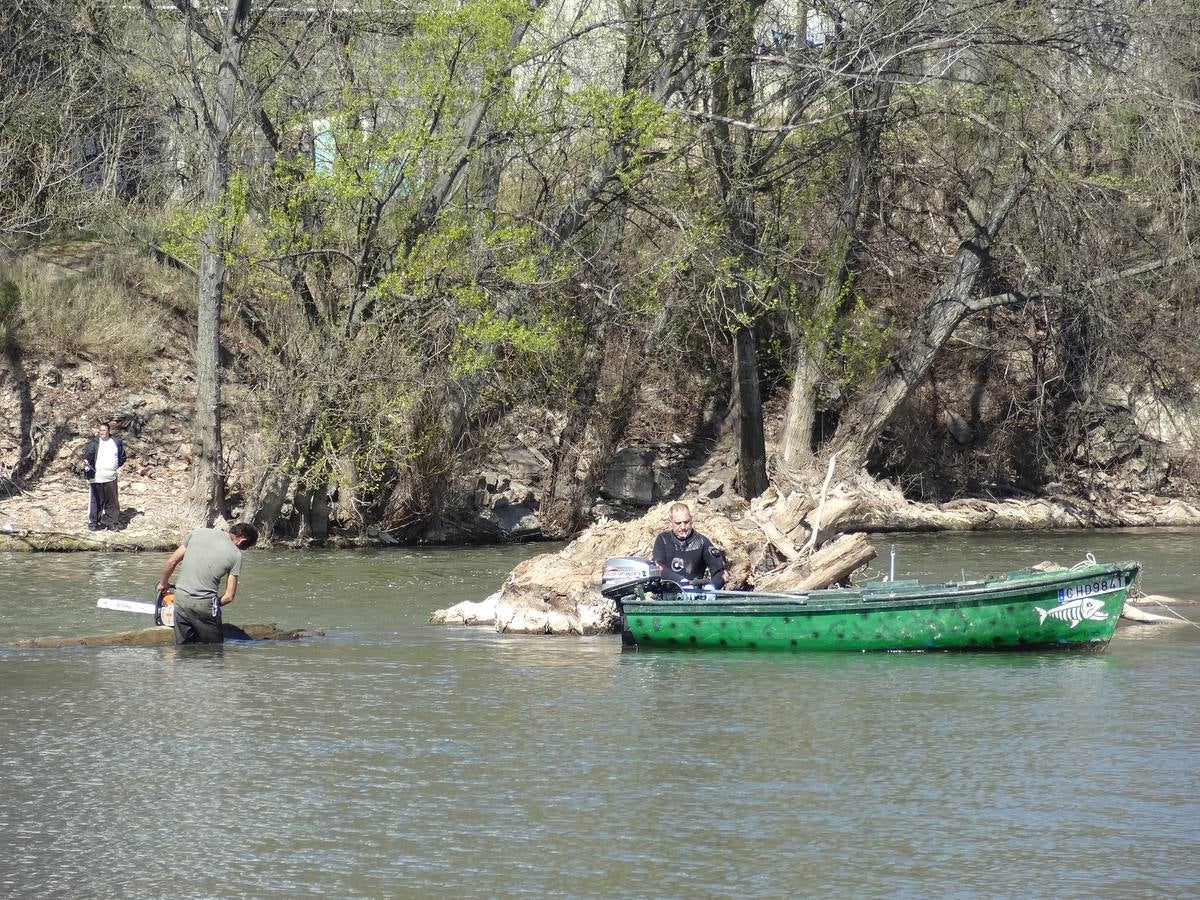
[(1077, 609)]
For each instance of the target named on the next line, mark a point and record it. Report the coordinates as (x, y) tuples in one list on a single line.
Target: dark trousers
[(197, 625), (104, 510)]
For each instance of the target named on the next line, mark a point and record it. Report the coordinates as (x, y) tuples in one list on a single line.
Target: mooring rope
[(1088, 560), (1137, 592)]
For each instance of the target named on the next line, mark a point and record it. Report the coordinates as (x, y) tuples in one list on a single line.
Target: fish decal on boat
[(1074, 611)]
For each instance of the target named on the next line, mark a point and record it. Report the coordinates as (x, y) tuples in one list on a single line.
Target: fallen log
[(833, 564), (1133, 614), (157, 634)]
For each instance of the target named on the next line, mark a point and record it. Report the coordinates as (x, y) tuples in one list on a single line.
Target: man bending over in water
[(204, 558)]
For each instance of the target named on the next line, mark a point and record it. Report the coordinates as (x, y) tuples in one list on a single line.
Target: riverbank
[(51, 515), (53, 401)]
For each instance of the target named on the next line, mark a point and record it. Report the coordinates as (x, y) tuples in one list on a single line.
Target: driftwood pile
[(778, 543)]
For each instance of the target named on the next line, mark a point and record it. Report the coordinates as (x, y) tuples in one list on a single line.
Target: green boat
[(1026, 610)]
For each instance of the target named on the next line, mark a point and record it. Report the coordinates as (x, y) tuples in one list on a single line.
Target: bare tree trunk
[(208, 476), (563, 505), (10, 299), (217, 115), (731, 50), (752, 446), (861, 425), (270, 492), (796, 437)]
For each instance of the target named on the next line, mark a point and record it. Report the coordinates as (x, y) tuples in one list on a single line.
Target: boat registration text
[(1091, 588)]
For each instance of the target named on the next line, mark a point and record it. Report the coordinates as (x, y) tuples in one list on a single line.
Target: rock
[(712, 489), (1108, 443), (492, 482), (630, 477), (667, 483), (516, 521), (603, 510), (958, 427), (523, 461)]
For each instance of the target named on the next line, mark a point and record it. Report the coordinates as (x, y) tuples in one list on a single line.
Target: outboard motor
[(620, 569)]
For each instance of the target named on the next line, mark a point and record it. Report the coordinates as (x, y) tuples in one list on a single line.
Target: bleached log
[(836, 510), (789, 516), (481, 612), (814, 522), (831, 564), (1141, 616), (778, 539), (1134, 610)]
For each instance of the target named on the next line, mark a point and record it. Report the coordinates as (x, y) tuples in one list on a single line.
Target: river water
[(390, 758)]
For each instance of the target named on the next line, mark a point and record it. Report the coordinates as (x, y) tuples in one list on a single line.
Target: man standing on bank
[(207, 555), (683, 554), (102, 456)]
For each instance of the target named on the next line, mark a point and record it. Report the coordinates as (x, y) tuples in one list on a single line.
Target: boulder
[(523, 461), (516, 522), (958, 427), (630, 477)]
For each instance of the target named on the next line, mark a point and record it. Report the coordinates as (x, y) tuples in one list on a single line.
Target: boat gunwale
[(865, 599)]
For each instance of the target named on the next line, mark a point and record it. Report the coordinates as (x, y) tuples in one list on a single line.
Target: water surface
[(392, 758)]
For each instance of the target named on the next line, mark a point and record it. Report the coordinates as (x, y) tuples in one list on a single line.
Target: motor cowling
[(620, 569)]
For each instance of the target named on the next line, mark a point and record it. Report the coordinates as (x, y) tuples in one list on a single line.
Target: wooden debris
[(559, 593), (158, 634), (1134, 614), (832, 564)]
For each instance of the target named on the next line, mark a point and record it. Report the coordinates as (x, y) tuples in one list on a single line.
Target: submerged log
[(1134, 612), (158, 634)]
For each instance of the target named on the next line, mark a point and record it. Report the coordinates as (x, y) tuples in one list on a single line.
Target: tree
[(209, 59), (65, 120)]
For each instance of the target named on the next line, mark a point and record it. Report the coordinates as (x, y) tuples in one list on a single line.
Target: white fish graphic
[(1074, 611)]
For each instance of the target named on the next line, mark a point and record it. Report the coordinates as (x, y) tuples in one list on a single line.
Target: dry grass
[(105, 309)]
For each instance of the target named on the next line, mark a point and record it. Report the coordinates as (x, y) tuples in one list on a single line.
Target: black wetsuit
[(689, 559)]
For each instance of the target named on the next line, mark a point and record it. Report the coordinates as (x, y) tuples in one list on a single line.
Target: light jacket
[(89, 455)]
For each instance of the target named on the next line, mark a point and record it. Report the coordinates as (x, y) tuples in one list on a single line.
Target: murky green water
[(390, 758)]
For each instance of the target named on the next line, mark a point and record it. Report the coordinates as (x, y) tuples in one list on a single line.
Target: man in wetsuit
[(685, 555), (205, 557)]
